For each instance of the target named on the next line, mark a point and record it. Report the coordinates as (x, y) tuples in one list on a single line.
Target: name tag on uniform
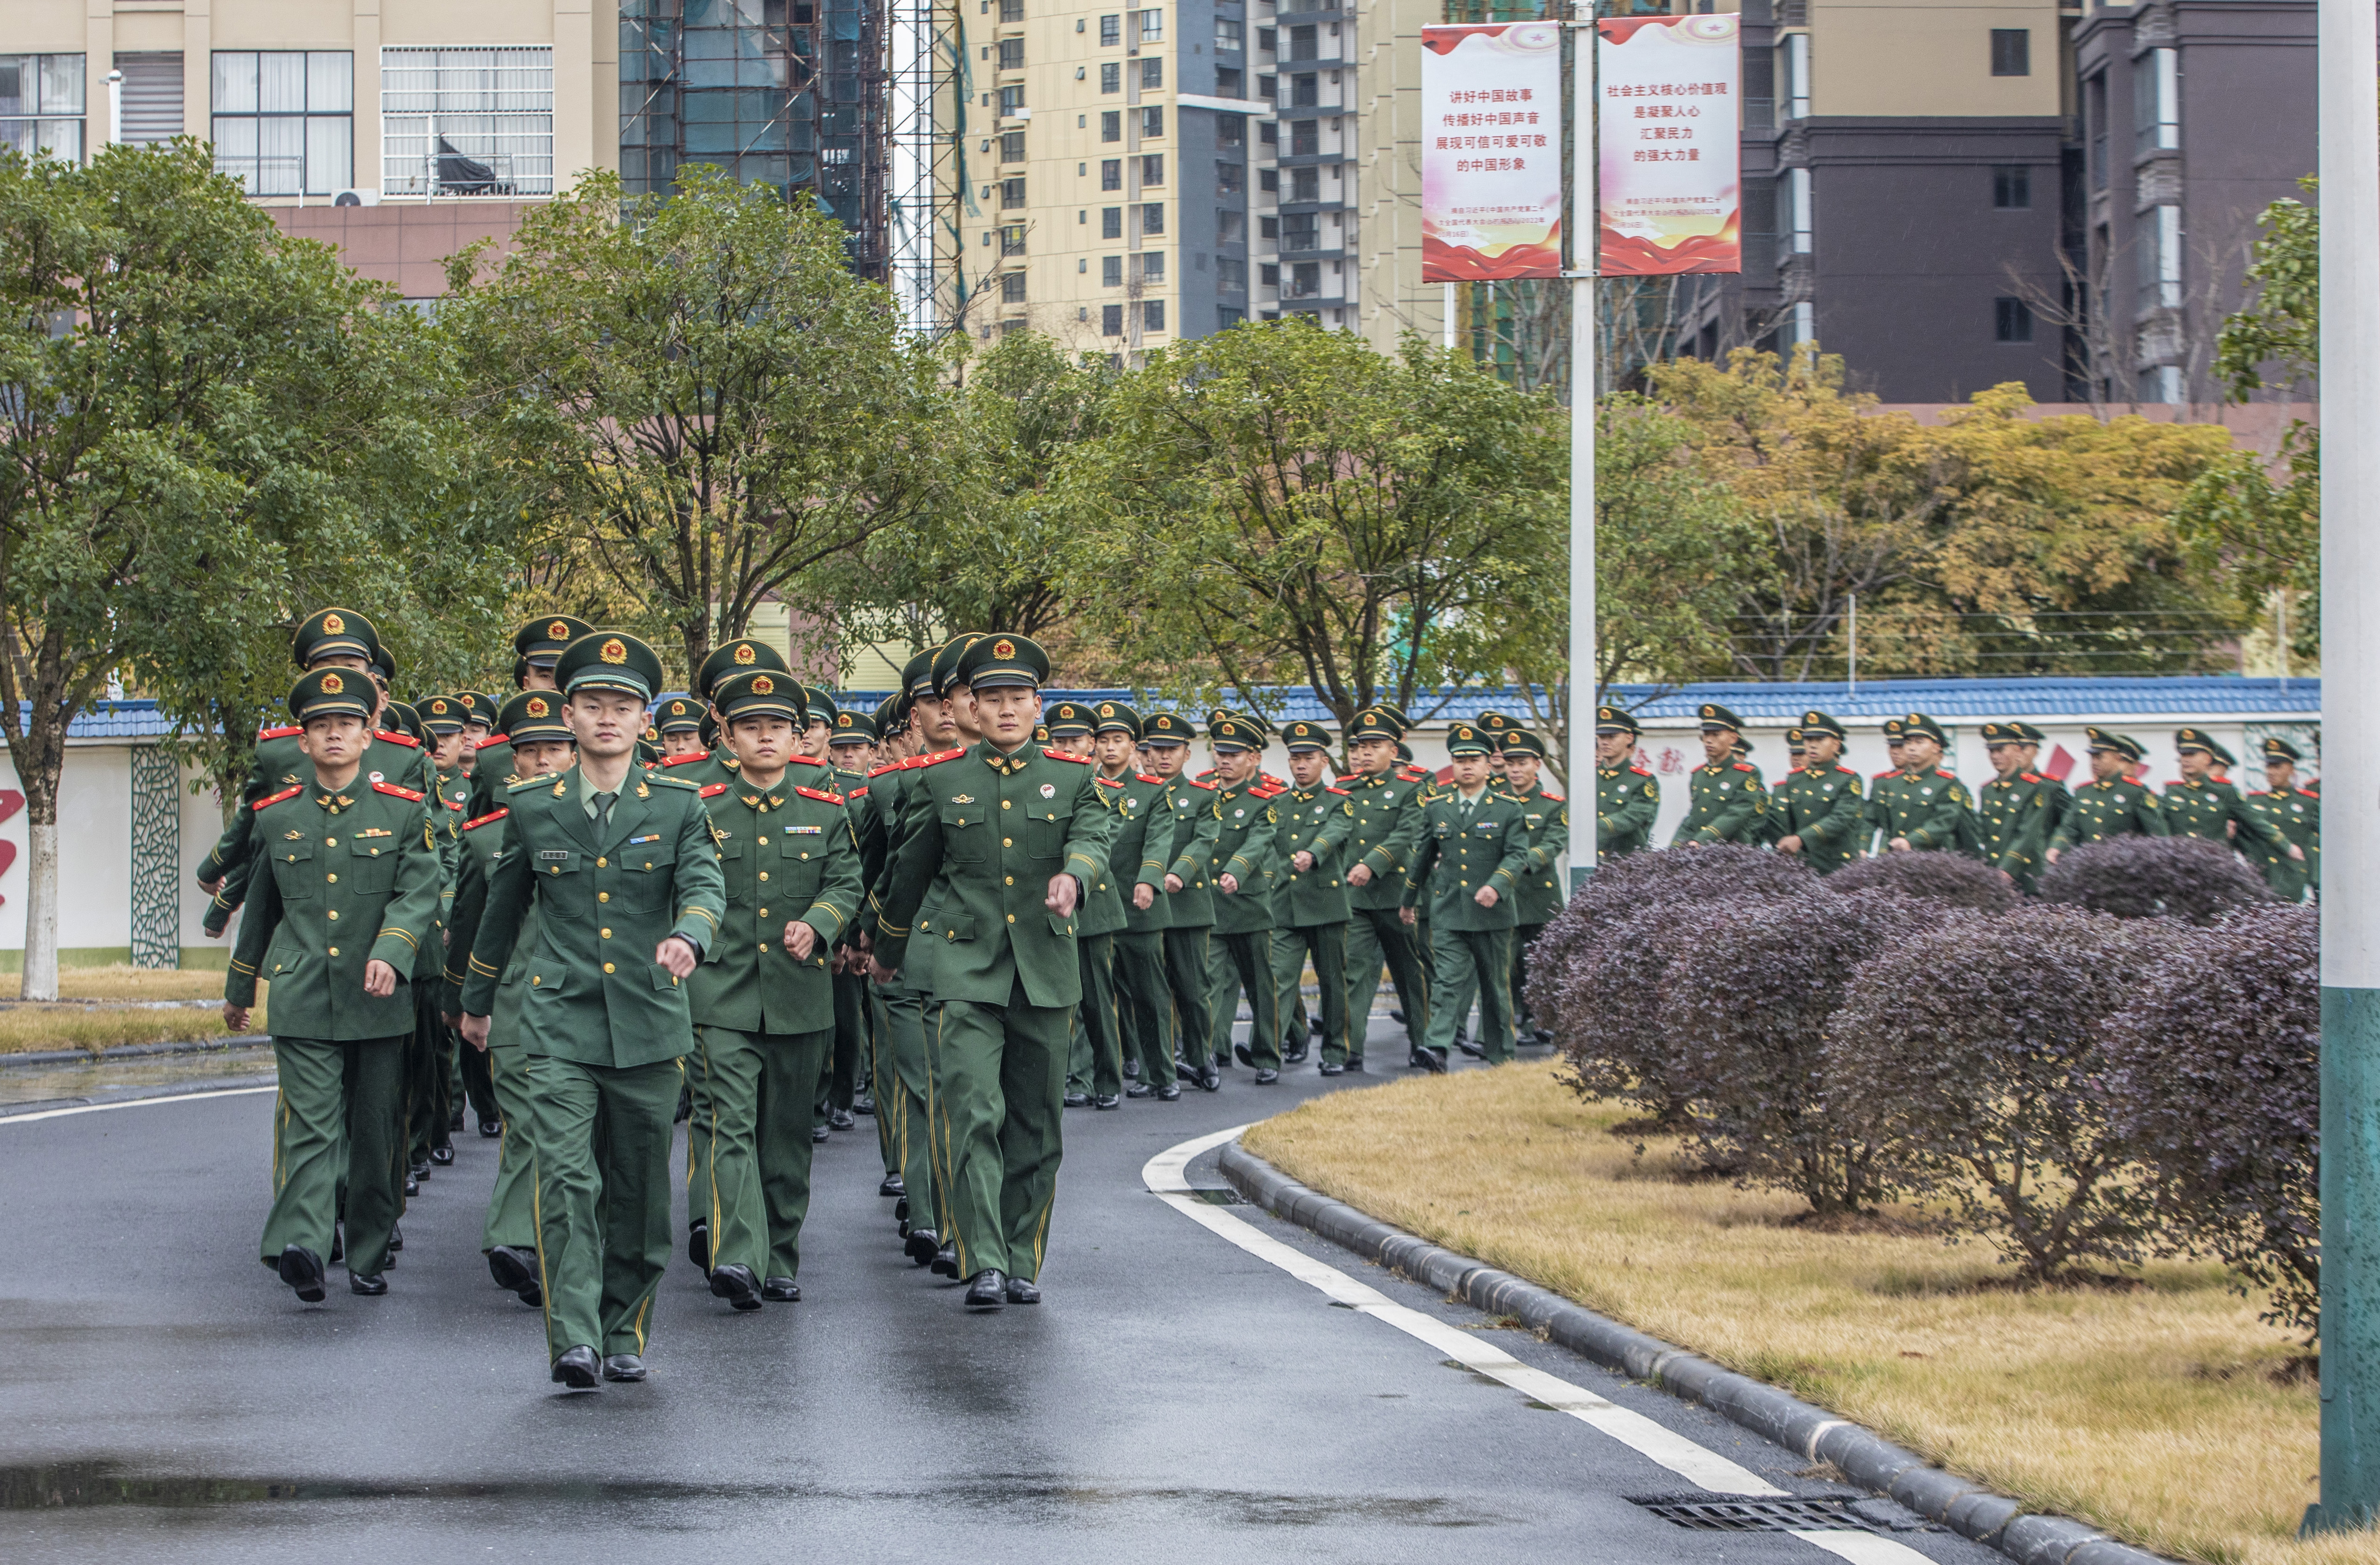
[(554, 855)]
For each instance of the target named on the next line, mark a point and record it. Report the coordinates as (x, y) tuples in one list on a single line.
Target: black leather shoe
[(1295, 1057), (623, 1366), (1108, 1101), (302, 1270), (579, 1369), (840, 1119), (1542, 1036), (1267, 1077), (1210, 1080), (863, 1104), (372, 1285), (697, 1245), (1140, 1089), (1078, 1100), (922, 1246), (1314, 1025), (1396, 1016), (396, 1239), (1240, 1052), (1023, 1292), (492, 1128), (412, 1186), (516, 1272), (1186, 1071), (901, 1215), (1170, 1093), (736, 1283), (420, 1169), (1425, 1059), (1132, 1069), (946, 1260), (1355, 1068), (987, 1290), (338, 1242), (893, 1186), (819, 1133), (1470, 1049), (781, 1290), (1326, 1069), (443, 1156)]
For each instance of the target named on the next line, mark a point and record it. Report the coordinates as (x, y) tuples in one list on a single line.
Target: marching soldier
[(1142, 847), (1009, 837), (535, 646), (1474, 853), (1318, 821), (678, 720), (1727, 801), (1189, 898), (1379, 855), (439, 1101), (2060, 800), (345, 881), (2016, 810), (1819, 810), (2298, 812), (1627, 796), (482, 717), (1095, 1054), (1241, 867), (1538, 897), (620, 870), (2112, 804), (2200, 806), (1495, 728), (851, 750), (1922, 807)]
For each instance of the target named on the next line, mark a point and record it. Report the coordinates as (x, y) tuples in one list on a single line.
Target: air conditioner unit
[(355, 198)]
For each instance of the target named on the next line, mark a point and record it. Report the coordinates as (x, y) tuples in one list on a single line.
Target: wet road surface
[(1177, 1397)]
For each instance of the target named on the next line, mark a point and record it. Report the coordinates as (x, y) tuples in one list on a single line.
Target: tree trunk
[(41, 975)]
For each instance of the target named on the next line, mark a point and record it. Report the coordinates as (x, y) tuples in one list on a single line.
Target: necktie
[(603, 802), (1466, 810)]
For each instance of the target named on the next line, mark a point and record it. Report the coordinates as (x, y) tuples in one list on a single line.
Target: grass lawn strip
[(30, 1027), (2162, 1411)]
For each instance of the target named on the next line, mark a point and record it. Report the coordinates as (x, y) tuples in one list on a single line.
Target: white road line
[(1166, 1176), (130, 1103)]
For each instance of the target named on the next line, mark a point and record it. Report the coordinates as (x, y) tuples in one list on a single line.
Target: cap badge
[(333, 684), (614, 651), (1004, 648), (558, 631), (743, 653), (842, 719), (538, 707), (763, 685), (333, 625)]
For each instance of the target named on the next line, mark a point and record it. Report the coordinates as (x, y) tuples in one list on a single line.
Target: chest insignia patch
[(803, 831), (293, 837), (378, 777), (651, 836), (552, 855), (1237, 813), (1049, 790), (963, 799), (374, 831)]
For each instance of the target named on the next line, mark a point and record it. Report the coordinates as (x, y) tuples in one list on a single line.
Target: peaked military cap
[(2121, 744), (1714, 716), (1068, 718), (333, 632), (730, 657), (542, 640), (441, 715), (1794, 743), (1394, 713), (2028, 733), (609, 660), (892, 713), (2195, 739), (1257, 720), (1520, 742), (1115, 717), (1234, 733), (2280, 749), (1495, 724), (1815, 722), (708, 732), (1918, 723), (917, 675), (2004, 733), (852, 727), (946, 669), (1741, 749), (1405, 753), (384, 664), (1302, 735), (822, 703), (761, 693), (1373, 723), (479, 707), (399, 717), (533, 715), (1892, 730), (1040, 733), (328, 692), (677, 715), (1615, 720), (1167, 728), (1465, 739), (1005, 662), (2222, 756), (649, 748)]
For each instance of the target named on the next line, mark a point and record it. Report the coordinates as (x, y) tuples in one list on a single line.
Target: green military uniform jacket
[(340, 880), (481, 842), (2207, 808), (1456, 858), (491, 772), (1137, 854), (605, 897), (786, 854), (982, 833), (1388, 829), (2299, 815), (1728, 804), (1548, 817), (1246, 825), (1933, 810), (2102, 809), (1194, 825), (454, 798), (1826, 809), (1321, 820), (2014, 817), (1627, 801)]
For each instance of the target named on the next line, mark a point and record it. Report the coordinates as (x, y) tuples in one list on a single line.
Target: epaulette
[(937, 758), (406, 740), (493, 739), (682, 760), (400, 792), (279, 733), (1940, 772), (712, 791), (1340, 791), (483, 820), (1143, 776), (2029, 776), (1354, 777), (888, 766), (1109, 782), (2309, 793), (1061, 756), (1745, 765), (530, 782), (860, 792), (1888, 772), (821, 795), (806, 761), (1642, 770), (455, 804), (1844, 770), (1550, 797), (685, 783), (277, 798), (1207, 786)]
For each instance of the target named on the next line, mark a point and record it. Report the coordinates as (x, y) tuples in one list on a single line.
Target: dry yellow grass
[(2154, 1412), (30, 1028), (121, 983)]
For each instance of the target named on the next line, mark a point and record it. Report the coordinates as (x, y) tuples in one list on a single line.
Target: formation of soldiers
[(602, 910), (2019, 821)]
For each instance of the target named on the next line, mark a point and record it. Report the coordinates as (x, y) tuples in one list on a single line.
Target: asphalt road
[(1176, 1396)]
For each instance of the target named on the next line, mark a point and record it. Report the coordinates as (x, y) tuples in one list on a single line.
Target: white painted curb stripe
[(130, 1103), (1165, 1175)]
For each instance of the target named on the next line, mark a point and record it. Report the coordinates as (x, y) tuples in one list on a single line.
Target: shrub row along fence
[(2126, 1067)]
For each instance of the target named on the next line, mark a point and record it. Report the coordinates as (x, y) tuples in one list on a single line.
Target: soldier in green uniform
[(482, 717), (1317, 823), (2112, 803), (2016, 810), (442, 721), (2061, 800), (1009, 837), (1378, 856), (2298, 812), (2200, 806), (677, 719), (1922, 807), (1472, 856), (1095, 1048), (535, 646), (1820, 810), (1139, 855), (1540, 895), (620, 870), (763, 1000), (1242, 866), (1726, 803), (850, 752), (540, 744), (346, 874), (1627, 796), (1189, 899)]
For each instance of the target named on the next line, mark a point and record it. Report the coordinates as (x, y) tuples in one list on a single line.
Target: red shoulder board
[(888, 766), (1888, 772), (821, 795), (2309, 793), (807, 760), (712, 790), (399, 793), (1354, 777), (454, 804), (1642, 770), (1143, 776), (493, 739), (279, 733), (1550, 798), (937, 758), (483, 820), (1207, 786), (1061, 756), (2028, 776), (276, 798), (1109, 782), (1744, 765), (406, 740), (685, 760), (1847, 771), (860, 792), (1340, 791), (1940, 772)]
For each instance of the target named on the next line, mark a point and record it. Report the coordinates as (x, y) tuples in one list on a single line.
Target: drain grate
[(1749, 1515), (1218, 1197)]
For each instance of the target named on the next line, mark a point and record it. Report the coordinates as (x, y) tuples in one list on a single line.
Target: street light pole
[(2350, 167), (1585, 240)]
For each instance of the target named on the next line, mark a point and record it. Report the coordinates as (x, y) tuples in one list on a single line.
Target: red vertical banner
[(1491, 151), (1671, 188)]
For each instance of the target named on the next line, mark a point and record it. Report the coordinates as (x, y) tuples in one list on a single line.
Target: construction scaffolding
[(925, 102)]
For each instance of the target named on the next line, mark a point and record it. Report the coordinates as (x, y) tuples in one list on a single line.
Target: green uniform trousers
[(760, 1088), (905, 1096), (602, 1139), (1144, 1004), (698, 1150), (1326, 943), (512, 1205), (1376, 935), (430, 1065), (1187, 976), (1244, 962), (1472, 961), (1521, 939), (881, 1085), (839, 1085), (1095, 1055), (339, 1119), (999, 1087)]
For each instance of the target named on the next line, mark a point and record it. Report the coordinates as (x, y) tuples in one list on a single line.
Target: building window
[(1012, 240), (1228, 81), (1152, 27), (2159, 247), (1112, 271), (1112, 173), (1230, 130), (1152, 124), (2156, 102), (1228, 34), (1012, 287), (1152, 313), (1111, 320), (1112, 125), (1268, 275), (1152, 266), (466, 122), (1152, 75), (40, 105), (1268, 227), (2011, 319), (1305, 137), (1011, 54), (1300, 42), (1305, 184), (1797, 75), (1012, 11), (2012, 187), (1306, 280), (1265, 40), (284, 122), (1110, 31), (1012, 193), (1267, 88), (1110, 222), (1112, 77), (1797, 209), (1012, 146), (1268, 179), (2011, 51), (1227, 317), (1228, 178), (1305, 91), (1301, 231), (1152, 218), (1230, 227), (1231, 273), (1268, 132), (1011, 100), (1152, 168), (2094, 115)]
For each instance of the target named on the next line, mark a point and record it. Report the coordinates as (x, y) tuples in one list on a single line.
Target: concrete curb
[(132, 1051), (1969, 1509)]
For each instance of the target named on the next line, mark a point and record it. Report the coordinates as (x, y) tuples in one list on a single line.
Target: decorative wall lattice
[(156, 857)]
